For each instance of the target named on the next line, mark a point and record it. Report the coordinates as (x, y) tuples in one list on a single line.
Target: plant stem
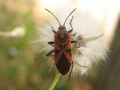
[(55, 81)]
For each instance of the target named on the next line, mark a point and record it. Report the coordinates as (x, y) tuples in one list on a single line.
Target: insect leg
[(73, 41), (76, 45), (71, 25), (71, 71), (51, 43), (53, 29), (48, 54), (80, 65)]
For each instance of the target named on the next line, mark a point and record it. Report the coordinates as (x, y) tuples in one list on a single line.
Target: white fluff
[(84, 25)]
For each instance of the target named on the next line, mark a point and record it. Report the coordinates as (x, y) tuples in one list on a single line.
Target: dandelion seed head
[(85, 27)]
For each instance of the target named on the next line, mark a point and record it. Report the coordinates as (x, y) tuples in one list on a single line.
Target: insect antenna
[(54, 16), (68, 16)]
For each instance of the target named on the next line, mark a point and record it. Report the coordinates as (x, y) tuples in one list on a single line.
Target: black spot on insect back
[(63, 65)]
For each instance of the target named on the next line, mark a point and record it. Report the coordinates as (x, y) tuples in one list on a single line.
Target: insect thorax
[(63, 36)]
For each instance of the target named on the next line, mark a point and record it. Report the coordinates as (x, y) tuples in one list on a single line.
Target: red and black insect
[(62, 43)]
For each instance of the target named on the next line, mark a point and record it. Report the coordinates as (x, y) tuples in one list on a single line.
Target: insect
[(62, 46)]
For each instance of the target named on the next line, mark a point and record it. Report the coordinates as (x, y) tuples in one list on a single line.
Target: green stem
[(55, 81)]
